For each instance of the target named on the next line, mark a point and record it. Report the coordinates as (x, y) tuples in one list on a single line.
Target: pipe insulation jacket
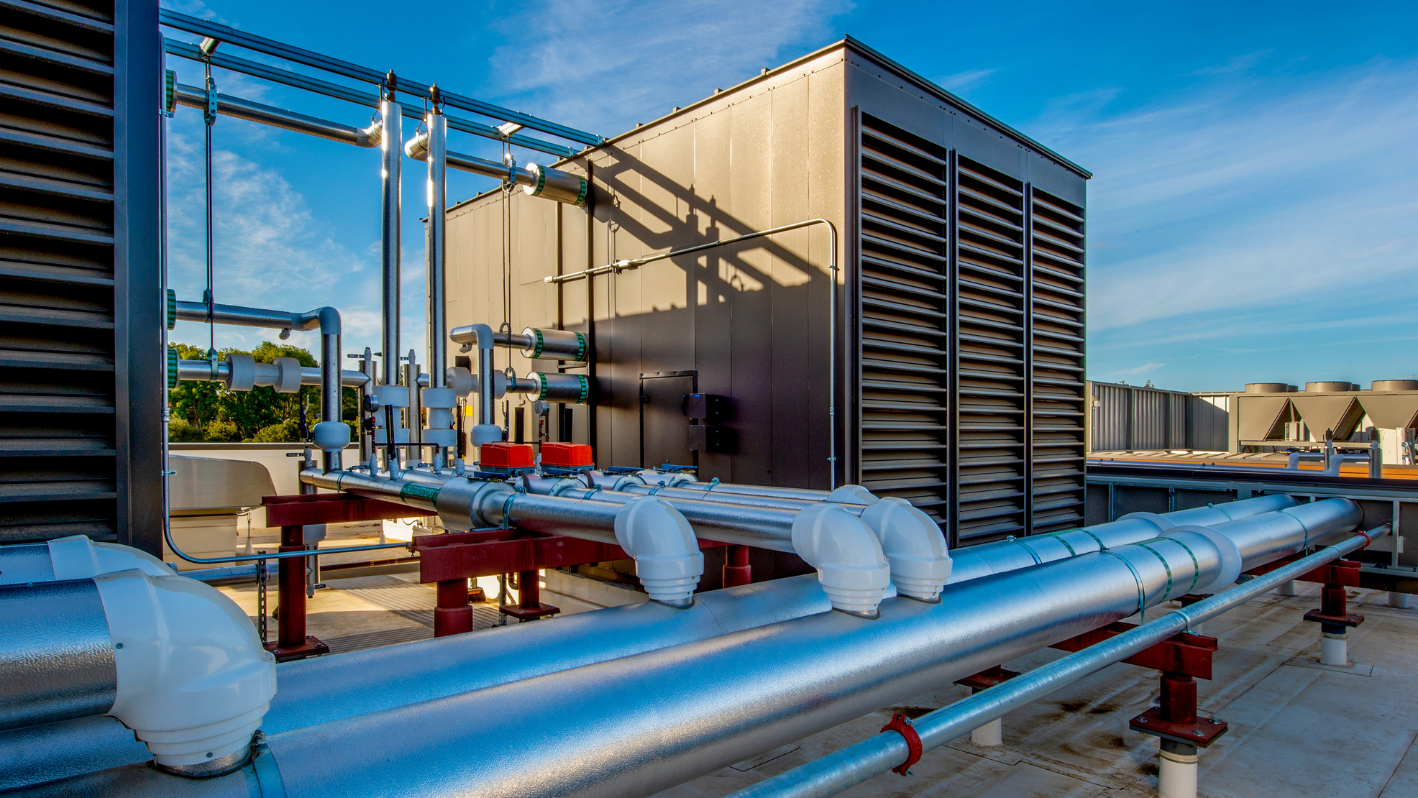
[(325, 689), (171, 658), (629, 727)]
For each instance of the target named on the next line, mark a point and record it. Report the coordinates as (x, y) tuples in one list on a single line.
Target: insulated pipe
[(391, 144), (605, 729), (265, 374), (850, 766), (331, 434), (193, 97), (436, 140), (320, 690), (480, 335), (172, 659)]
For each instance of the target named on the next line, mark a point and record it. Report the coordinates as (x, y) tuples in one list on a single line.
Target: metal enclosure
[(80, 361), (959, 305)]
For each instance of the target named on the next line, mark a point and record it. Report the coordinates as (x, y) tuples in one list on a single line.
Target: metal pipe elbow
[(417, 147), (667, 556), (913, 545), (372, 136), (851, 567)]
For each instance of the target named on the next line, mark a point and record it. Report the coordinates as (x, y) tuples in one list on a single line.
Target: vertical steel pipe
[(391, 146), (331, 391), (434, 249)]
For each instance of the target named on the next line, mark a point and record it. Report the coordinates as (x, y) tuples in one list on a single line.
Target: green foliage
[(208, 411), (277, 433)]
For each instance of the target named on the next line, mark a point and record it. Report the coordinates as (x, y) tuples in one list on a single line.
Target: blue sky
[(1253, 215)]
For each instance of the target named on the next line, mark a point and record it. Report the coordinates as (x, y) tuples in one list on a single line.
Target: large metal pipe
[(56, 655), (391, 144), (326, 689), (434, 247), (193, 97), (630, 727), (848, 767)]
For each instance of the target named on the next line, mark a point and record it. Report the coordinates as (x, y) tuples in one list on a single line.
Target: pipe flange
[(1230, 555)]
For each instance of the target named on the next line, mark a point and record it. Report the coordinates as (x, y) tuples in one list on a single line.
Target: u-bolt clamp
[(902, 726)]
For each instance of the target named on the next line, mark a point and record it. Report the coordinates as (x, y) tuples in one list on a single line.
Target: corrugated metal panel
[(77, 400), (1058, 395), (990, 373), (904, 314), (1210, 422)]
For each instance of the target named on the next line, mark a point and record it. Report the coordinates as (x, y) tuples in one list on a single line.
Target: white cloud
[(604, 69), (964, 81), (1249, 195)]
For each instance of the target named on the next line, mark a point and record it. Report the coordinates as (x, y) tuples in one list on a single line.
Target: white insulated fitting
[(667, 556), (288, 375), (913, 545), (241, 371), (78, 557), (1334, 649), (193, 679), (460, 380), (850, 565), (331, 436), (852, 494), (1176, 775)]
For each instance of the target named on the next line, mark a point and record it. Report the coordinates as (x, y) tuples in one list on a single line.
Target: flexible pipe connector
[(913, 545), (847, 555), (194, 681), (667, 556)]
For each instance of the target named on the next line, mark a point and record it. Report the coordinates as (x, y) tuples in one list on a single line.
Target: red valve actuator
[(566, 455), (505, 455)]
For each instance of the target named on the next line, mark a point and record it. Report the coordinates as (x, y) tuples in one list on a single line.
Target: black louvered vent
[(1058, 386), (57, 375), (991, 357), (905, 322)]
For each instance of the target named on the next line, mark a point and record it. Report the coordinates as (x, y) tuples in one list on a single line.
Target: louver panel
[(1059, 397), (905, 335), (57, 391), (990, 358)]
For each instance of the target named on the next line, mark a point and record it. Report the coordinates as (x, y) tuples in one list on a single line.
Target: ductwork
[(326, 689), (605, 730), (171, 658)]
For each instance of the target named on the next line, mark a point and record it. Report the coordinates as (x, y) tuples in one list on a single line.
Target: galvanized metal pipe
[(56, 654), (193, 97), (391, 143), (202, 371), (630, 727), (434, 246), (850, 766), (334, 688)]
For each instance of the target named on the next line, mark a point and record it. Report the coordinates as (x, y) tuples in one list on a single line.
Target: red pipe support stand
[(529, 594), (452, 615), (737, 570), (292, 642)]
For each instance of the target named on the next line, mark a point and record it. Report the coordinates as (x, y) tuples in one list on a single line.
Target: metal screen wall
[(905, 319), (971, 334), (80, 354)]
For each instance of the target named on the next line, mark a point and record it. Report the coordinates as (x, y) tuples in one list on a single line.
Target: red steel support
[(293, 642), (452, 615), (737, 571)]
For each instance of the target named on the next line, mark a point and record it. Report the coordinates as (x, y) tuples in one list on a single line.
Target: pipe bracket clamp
[(902, 726)]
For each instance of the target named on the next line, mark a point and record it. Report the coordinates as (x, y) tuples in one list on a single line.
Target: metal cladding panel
[(1392, 410), (80, 244), (1339, 413), (747, 321), (1259, 416), (1210, 428)]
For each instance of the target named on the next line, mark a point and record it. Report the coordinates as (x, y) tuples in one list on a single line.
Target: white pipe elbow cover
[(852, 494), (194, 681), (667, 556), (847, 555), (913, 545), (77, 557)]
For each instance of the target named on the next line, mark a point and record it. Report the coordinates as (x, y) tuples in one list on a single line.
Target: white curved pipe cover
[(193, 679), (852, 494), (847, 555), (667, 556), (78, 557), (913, 545)]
